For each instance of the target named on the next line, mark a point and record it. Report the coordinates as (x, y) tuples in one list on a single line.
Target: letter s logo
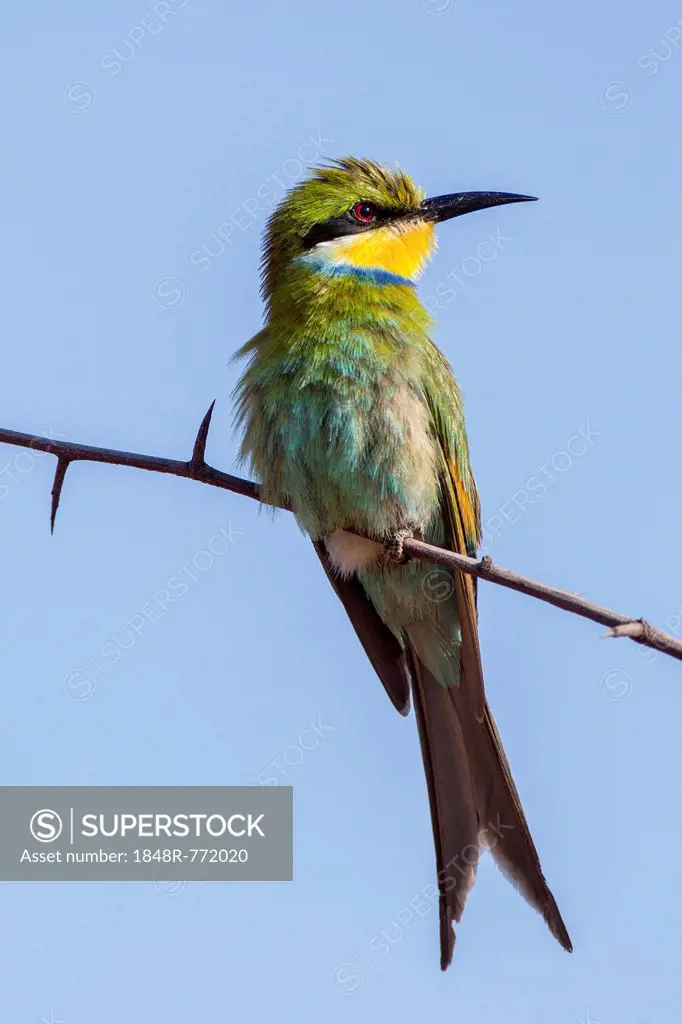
[(46, 826)]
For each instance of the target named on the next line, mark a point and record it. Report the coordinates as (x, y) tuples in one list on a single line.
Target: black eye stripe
[(328, 231), (349, 224)]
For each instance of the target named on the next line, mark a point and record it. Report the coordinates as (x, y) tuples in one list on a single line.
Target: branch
[(620, 625), (197, 469)]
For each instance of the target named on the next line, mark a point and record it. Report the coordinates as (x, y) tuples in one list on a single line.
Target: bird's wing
[(462, 515), (457, 730), (383, 650)]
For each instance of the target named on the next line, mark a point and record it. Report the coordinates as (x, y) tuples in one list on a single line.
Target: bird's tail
[(474, 804)]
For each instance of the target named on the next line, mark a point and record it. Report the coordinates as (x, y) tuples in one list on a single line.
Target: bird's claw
[(393, 545)]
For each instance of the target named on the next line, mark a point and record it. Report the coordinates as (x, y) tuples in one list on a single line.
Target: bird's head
[(356, 216)]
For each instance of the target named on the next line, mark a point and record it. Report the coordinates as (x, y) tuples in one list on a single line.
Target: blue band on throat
[(372, 275)]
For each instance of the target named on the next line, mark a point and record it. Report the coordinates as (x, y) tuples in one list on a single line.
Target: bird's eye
[(365, 213)]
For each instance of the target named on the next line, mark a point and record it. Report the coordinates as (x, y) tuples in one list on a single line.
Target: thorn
[(60, 473), (632, 629), (199, 450)]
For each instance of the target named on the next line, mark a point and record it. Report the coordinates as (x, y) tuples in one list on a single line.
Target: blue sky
[(133, 138)]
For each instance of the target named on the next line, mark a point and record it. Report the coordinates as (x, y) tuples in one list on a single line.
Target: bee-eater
[(352, 419)]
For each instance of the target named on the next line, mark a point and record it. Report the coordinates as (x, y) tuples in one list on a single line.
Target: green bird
[(352, 419)]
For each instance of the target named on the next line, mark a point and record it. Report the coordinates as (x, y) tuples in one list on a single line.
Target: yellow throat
[(402, 249)]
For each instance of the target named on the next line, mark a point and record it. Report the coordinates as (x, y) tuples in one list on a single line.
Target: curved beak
[(445, 207)]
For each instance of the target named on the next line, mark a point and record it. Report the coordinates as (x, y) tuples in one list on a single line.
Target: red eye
[(364, 212)]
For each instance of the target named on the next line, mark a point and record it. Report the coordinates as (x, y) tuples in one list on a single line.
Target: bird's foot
[(393, 545)]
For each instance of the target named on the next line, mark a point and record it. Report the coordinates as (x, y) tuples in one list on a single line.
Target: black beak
[(445, 207)]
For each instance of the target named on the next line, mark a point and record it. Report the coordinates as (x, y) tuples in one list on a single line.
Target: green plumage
[(352, 418), (333, 391)]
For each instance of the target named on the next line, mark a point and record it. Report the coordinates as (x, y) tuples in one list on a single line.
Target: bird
[(351, 417)]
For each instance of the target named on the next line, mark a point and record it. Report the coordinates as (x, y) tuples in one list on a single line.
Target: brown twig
[(621, 625), (197, 469)]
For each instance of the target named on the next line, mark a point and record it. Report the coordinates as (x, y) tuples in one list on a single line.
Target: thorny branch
[(198, 469)]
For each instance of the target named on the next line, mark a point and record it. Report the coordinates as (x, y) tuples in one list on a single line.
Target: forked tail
[(474, 804)]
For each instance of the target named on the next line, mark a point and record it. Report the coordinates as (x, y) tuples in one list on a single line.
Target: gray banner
[(146, 833)]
